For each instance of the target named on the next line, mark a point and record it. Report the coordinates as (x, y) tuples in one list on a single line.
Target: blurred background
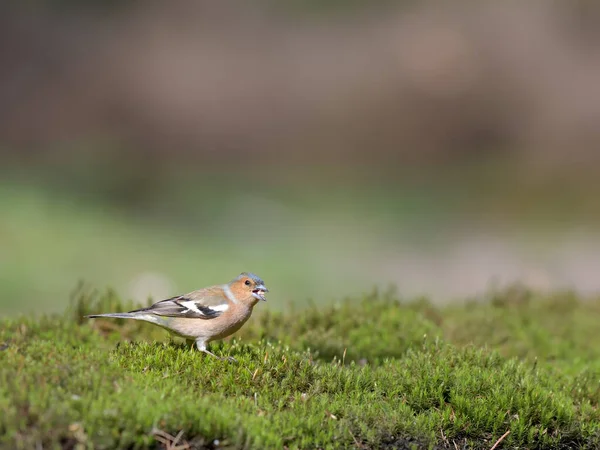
[(329, 146)]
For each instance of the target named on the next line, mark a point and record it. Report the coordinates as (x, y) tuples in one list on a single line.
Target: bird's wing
[(202, 304)]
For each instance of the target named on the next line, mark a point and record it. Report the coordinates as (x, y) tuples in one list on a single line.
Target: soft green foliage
[(190, 241), (366, 373), (107, 224)]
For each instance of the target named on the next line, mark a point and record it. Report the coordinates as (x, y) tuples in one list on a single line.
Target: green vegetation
[(53, 236), (374, 372), (113, 227)]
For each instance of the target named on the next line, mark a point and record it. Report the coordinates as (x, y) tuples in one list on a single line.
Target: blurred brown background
[(329, 146)]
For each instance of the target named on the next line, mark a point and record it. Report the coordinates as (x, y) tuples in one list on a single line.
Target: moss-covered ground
[(371, 372)]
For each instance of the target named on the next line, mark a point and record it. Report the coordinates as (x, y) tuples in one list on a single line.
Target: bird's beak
[(259, 292)]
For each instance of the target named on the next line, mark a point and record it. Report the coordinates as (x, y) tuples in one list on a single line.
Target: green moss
[(366, 373)]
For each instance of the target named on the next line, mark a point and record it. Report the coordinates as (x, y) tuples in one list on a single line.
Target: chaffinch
[(204, 315)]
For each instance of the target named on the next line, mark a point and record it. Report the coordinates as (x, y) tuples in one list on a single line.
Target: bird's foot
[(220, 358), (229, 358)]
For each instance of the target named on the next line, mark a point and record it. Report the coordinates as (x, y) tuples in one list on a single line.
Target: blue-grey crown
[(252, 276)]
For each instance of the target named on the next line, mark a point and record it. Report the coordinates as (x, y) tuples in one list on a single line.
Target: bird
[(204, 315)]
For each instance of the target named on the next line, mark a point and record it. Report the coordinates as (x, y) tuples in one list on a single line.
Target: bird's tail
[(115, 315)]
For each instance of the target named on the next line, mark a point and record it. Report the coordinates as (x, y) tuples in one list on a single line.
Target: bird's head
[(248, 287)]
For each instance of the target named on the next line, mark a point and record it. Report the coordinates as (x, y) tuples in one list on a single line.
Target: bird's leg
[(202, 347)]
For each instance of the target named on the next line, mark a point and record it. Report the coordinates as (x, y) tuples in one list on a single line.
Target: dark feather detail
[(173, 307)]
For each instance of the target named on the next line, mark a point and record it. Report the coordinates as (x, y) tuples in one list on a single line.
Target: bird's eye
[(247, 282)]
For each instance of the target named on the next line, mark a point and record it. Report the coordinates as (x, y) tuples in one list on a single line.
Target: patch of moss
[(365, 373)]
